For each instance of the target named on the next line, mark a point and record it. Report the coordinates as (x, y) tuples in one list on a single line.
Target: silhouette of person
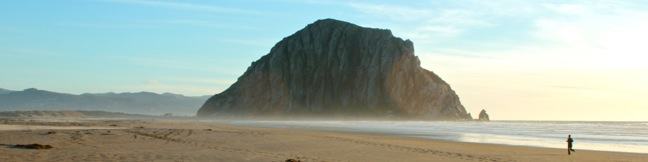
[(569, 145)]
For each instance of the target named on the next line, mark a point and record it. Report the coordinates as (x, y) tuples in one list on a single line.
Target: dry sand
[(164, 140)]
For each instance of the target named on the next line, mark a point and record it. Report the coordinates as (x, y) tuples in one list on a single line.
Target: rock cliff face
[(333, 68)]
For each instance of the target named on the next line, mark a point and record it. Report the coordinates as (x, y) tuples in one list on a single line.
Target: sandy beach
[(186, 140)]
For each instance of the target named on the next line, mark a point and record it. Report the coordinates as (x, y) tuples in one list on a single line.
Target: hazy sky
[(525, 60)]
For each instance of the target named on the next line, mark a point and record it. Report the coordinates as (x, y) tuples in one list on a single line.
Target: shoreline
[(186, 140), (464, 131), (417, 137)]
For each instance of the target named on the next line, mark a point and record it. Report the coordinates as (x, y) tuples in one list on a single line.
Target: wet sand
[(185, 140)]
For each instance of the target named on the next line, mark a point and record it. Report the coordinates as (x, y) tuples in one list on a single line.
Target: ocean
[(604, 136)]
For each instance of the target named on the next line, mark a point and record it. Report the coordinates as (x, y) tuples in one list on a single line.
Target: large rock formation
[(333, 68)]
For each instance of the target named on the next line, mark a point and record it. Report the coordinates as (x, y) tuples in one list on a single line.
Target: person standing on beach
[(569, 145)]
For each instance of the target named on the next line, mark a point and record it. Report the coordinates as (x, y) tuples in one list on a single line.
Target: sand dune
[(158, 140)]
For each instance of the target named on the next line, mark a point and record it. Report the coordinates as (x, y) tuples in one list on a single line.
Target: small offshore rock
[(483, 116)]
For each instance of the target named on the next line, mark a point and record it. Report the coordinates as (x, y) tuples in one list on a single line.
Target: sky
[(519, 60)]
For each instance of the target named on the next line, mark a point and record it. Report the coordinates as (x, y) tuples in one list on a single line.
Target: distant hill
[(132, 103), (5, 91), (68, 114)]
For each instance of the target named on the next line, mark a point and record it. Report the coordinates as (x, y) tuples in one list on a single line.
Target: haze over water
[(605, 136)]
